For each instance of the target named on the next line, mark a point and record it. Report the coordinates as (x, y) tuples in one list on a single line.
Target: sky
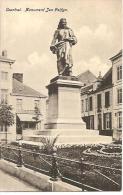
[(27, 36)]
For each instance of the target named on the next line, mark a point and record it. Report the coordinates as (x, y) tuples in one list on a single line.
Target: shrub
[(49, 143)]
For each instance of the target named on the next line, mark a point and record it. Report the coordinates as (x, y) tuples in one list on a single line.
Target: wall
[(29, 106), (94, 111), (117, 135), (7, 84)]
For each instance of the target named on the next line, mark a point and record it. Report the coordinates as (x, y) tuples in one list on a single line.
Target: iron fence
[(76, 172)]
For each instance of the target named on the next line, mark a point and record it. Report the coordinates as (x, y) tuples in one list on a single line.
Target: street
[(11, 183)]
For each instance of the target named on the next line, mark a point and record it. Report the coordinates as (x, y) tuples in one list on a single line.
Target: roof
[(87, 77), (27, 117), (104, 84), (119, 54), (19, 89), (106, 81), (87, 89)]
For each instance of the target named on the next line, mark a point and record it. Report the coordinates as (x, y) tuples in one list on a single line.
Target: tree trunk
[(6, 134)]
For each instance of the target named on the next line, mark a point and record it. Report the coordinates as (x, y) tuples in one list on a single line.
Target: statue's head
[(62, 23)]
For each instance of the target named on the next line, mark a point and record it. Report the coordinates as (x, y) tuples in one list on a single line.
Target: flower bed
[(104, 150), (94, 154)]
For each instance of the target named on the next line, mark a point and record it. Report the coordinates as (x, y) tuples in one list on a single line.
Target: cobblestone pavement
[(10, 183)]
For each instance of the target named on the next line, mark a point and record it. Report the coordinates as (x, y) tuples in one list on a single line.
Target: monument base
[(64, 107), (68, 136)]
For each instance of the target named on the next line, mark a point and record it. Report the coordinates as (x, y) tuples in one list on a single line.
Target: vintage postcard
[(60, 96)]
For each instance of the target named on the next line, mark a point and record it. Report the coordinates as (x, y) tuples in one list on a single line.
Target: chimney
[(18, 77), (4, 53)]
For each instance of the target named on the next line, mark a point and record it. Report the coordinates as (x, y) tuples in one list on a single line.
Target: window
[(29, 125), (119, 120), (82, 106), (107, 99), (4, 76), (19, 105), (107, 121), (99, 121), (90, 104), (86, 104), (3, 128), (91, 122), (25, 125), (4, 96), (99, 103), (32, 125), (119, 72), (119, 96)]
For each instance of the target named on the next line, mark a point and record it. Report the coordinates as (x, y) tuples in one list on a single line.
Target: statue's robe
[(63, 49)]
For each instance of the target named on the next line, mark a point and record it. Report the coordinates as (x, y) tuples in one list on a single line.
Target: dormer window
[(36, 103)]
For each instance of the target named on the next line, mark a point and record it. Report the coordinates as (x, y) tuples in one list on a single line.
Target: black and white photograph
[(61, 96)]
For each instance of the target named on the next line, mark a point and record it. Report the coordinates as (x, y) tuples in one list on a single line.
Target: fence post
[(82, 172), (20, 162), (54, 169)]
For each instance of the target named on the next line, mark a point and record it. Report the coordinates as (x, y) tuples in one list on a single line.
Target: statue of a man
[(61, 45)]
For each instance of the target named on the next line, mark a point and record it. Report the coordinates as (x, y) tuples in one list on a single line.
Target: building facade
[(5, 90), (117, 95), (101, 101), (29, 106)]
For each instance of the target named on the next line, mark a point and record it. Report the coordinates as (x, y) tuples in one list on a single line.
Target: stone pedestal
[(64, 107)]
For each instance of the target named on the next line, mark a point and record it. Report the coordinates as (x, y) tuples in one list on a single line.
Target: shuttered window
[(119, 96), (90, 103), (107, 99), (99, 102), (119, 72), (119, 120)]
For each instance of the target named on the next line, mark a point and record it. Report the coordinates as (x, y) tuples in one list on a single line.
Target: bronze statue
[(61, 46)]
